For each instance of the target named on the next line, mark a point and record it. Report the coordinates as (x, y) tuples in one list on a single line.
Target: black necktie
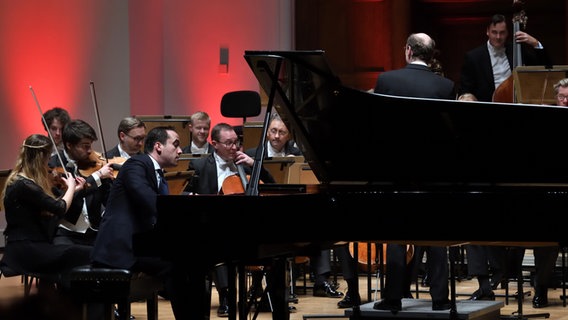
[(163, 184)]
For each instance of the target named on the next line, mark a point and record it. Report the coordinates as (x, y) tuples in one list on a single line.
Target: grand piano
[(395, 169)]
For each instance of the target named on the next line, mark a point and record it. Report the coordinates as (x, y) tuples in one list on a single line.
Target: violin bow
[(94, 97), (48, 131)]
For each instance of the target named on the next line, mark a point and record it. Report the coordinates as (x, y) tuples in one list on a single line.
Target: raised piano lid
[(352, 136)]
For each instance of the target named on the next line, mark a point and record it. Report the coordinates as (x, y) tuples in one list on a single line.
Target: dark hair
[(216, 131), (157, 134), (56, 113), (76, 130), (496, 18)]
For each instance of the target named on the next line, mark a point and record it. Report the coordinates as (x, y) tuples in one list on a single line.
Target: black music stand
[(519, 315)]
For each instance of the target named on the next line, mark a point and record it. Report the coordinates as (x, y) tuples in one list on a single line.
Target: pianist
[(131, 210)]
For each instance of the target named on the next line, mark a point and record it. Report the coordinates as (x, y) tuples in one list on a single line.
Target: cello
[(368, 255), (505, 92)]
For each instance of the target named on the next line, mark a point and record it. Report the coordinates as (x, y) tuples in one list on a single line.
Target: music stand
[(534, 84), (178, 180)]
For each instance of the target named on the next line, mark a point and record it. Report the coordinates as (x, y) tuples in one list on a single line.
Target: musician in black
[(487, 66), (132, 210), (416, 79), (131, 133), (82, 220), (215, 174), (55, 119), (280, 144)]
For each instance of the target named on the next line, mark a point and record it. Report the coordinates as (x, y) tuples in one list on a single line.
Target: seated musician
[(280, 144), (82, 220), (131, 134), (199, 126), (132, 210), (213, 175), (55, 120)]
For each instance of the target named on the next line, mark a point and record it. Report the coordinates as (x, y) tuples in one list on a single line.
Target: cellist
[(487, 66), (213, 175)]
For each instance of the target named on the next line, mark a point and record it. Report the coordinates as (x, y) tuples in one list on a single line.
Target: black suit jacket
[(95, 196), (477, 73), (114, 152), (204, 179), (131, 209), (415, 80)]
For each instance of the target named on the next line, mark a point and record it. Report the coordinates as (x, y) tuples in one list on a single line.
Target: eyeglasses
[(137, 138), (561, 97), (230, 144), (274, 131)]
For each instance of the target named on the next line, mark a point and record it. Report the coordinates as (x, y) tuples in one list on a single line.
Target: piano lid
[(352, 136)]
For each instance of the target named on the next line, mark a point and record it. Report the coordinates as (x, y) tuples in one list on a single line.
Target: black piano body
[(448, 172)]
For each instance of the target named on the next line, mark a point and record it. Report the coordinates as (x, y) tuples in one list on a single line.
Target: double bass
[(505, 92)]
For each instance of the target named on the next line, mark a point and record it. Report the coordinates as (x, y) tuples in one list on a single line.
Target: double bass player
[(487, 66)]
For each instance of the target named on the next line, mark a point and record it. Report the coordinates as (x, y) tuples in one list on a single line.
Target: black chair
[(240, 104), (111, 286)]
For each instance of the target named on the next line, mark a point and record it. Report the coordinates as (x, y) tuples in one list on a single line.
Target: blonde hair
[(562, 83), (32, 163)]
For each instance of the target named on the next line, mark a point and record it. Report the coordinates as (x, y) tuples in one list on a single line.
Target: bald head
[(422, 47)]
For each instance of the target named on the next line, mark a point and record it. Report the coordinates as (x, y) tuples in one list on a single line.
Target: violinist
[(131, 134), (81, 222), (32, 211), (487, 66), (209, 176), (56, 119)]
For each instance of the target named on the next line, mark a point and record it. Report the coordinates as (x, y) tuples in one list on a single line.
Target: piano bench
[(115, 286)]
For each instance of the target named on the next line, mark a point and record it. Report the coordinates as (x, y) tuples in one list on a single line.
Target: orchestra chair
[(30, 278), (111, 286)]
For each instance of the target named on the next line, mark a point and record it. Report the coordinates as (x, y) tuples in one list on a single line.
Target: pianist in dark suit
[(416, 79), (488, 65), (131, 209), (131, 134), (210, 177)]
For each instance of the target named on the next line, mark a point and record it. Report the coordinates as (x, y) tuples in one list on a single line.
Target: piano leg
[(279, 289), (453, 308)]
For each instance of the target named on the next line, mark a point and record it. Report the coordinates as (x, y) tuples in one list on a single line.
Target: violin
[(96, 161)]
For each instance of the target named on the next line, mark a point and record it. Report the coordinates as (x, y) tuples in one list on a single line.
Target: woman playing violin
[(81, 221), (32, 211)]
